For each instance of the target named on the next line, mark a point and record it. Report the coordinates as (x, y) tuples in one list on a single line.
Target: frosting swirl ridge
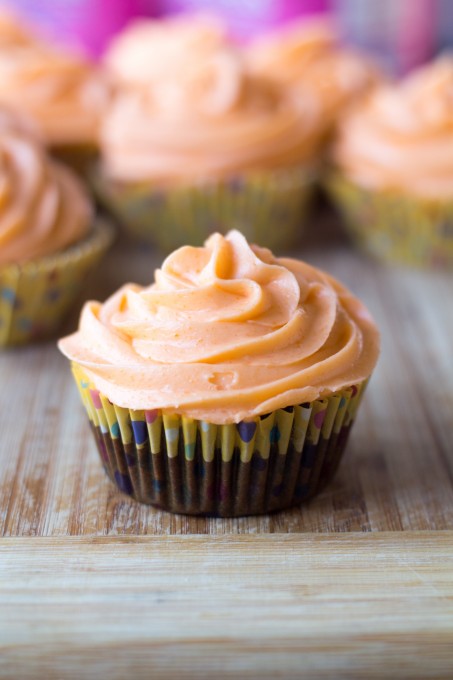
[(225, 332), (307, 57), (152, 51), (65, 94), (196, 113), (401, 136), (43, 207)]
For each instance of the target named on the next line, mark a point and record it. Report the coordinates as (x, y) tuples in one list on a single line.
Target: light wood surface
[(296, 606), (398, 471), (94, 585)]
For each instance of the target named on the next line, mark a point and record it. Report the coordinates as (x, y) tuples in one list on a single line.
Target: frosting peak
[(195, 113), (43, 207), (64, 93), (307, 57), (401, 136), (151, 51), (225, 332)]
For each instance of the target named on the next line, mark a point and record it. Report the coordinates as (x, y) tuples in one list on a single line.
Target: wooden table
[(357, 584)]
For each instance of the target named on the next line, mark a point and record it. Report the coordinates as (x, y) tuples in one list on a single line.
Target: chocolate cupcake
[(229, 386)]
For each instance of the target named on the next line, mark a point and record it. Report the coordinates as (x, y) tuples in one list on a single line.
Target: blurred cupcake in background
[(393, 173), (193, 143), (48, 238), (63, 92), (306, 56), (147, 52), (13, 30)]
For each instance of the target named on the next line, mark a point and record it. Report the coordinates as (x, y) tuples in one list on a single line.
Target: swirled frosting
[(401, 137), (43, 207), (16, 121), (63, 93), (198, 133), (307, 56), (194, 113), (13, 31), (149, 51), (226, 332)]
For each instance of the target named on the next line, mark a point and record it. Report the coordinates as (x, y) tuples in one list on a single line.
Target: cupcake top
[(13, 120), (149, 51), (307, 56), (216, 125), (401, 137), (226, 332), (43, 206), (64, 93), (13, 31), (199, 115)]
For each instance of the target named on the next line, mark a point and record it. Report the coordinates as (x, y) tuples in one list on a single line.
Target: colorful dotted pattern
[(255, 204), (303, 425), (397, 228), (34, 298)]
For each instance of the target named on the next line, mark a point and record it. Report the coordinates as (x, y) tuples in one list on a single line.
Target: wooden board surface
[(94, 585), (396, 476), (296, 606)]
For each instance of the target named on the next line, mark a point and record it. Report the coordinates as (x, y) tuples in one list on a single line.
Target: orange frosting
[(307, 56), (149, 51), (226, 332), (13, 120), (13, 31), (207, 133), (62, 92), (191, 112), (401, 137), (43, 207)]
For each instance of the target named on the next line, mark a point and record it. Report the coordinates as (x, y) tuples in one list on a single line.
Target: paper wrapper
[(394, 227), (194, 467), (267, 208), (36, 296)]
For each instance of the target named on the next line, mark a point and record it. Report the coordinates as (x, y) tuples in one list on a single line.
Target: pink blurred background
[(400, 33)]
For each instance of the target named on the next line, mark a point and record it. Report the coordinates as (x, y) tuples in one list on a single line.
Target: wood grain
[(397, 474), (309, 606)]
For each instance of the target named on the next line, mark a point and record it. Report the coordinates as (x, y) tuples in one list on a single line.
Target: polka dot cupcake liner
[(396, 228), (268, 209), (194, 467), (36, 297)]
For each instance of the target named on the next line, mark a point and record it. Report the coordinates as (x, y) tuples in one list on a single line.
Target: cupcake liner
[(36, 296), (267, 208), (195, 467), (394, 227)]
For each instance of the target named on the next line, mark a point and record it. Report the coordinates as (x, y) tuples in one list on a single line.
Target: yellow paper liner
[(195, 467), (35, 297), (268, 208), (394, 227)]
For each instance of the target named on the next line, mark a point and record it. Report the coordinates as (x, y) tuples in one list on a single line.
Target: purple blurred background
[(399, 33)]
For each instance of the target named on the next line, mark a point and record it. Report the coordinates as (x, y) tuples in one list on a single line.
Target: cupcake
[(13, 31), (307, 56), (227, 387), (393, 175), (148, 51), (63, 92), (194, 143), (48, 238)]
